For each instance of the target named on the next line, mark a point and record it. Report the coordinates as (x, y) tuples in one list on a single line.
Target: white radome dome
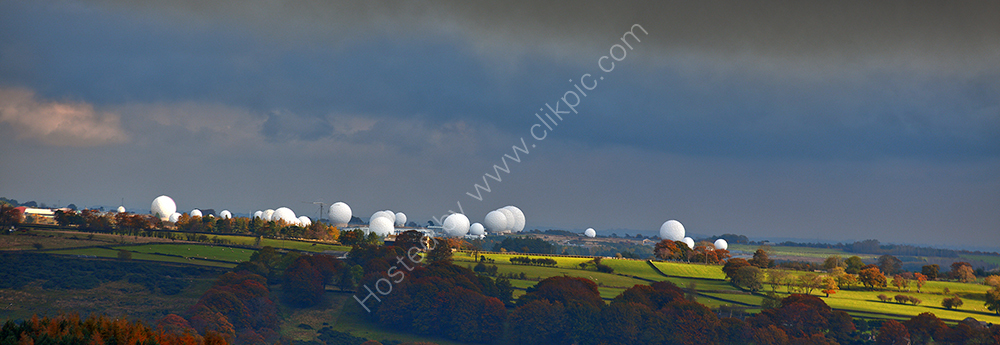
[(456, 225), (382, 214), (477, 229), (340, 214), (672, 230), (590, 232), (518, 223), (259, 214), (400, 219), (121, 209), (163, 206), (495, 221), (511, 218), (721, 244), (689, 242), (380, 226), (196, 213), (268, 215), (285, 214), (304, 221), (225, 214), (174, 217)]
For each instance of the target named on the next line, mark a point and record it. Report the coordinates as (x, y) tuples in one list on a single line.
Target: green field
[(714, 290), (800, 251), (112, 253), (993, 259), (234, 255)]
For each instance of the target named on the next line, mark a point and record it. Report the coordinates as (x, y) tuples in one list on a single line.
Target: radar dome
[(672, 230), (456, 225), (511, 219), (174, 217), (590, 232), (259, 214), (285, 214), (225, 214), (163, 207), (268, 215), (518, 222), (721, 244), (121, 209), (196, 213), (689, 242), (380, 226), (400, 219), (477, 229), (304, 221), (495, 221), (340, 214), (383, 214)]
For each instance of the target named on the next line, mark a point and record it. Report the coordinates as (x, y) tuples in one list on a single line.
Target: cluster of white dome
[(283, 214), (383, 222), (165, 208), (674, 231), (505, 219)]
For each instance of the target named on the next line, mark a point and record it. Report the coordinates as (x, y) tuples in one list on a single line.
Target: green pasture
[(113, 253), (234, 255), (800, 251), (690, 270), (563, 262), (993, 259), (286, 244)]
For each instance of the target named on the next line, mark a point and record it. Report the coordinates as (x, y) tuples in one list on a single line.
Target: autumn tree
[(303, 285), (872, 278), (930, 271), (760, 259), (925, 328), (920, 280), (889, 264), (993, 300), (732, 265), (964, 274), (748, 277), (442, 251), (952, 302), (830, 285), (892, 333), (900, 282), (993, 280)]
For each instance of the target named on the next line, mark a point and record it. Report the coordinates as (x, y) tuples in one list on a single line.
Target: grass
[(691, 270), (993, 259), (800, 251), (112, 253), (57, 239), (233, 255), (709, 280)]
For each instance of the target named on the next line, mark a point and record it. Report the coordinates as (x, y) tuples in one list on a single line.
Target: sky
[(816, 121)]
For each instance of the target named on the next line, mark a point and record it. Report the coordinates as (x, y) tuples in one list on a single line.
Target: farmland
[(707, 281), (714, 290)]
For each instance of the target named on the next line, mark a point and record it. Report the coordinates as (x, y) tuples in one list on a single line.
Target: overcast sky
[(836, 121)]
